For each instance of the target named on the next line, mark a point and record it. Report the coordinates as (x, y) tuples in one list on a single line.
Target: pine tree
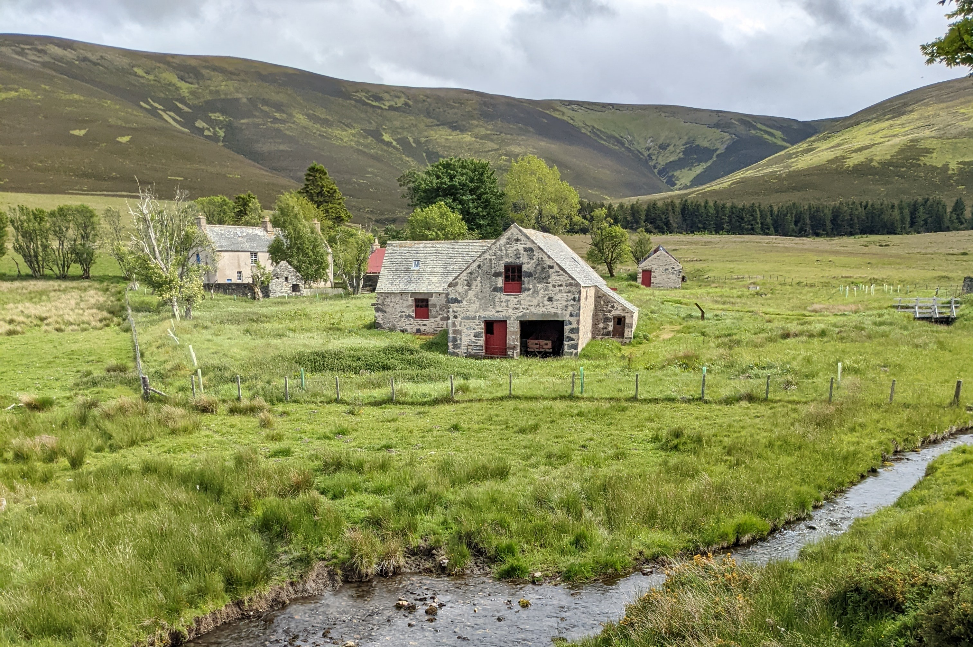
[(958, 215), (323, 193)]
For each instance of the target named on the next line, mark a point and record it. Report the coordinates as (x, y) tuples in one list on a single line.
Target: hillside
[(917, 144), (88, 118)]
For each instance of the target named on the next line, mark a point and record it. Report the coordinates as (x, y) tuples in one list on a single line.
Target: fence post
[(239, 390), (337, 389), (452, 389), (392, 385), (287, 389), (199, 373), (959, 390), (192, 380), (510, 385), (767, 392), (839, 373), (303, 383), (581, 372), (572, 384), (145, 387), (831, 391), (636, 386), (892, 392), (702, 395)]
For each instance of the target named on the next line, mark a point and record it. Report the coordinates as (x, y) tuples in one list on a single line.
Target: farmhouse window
[(198, 261), (415, 265), (422, 308), (513, 279), (239, 276), (253, 258)]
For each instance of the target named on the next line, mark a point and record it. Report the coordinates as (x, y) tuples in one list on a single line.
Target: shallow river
[(479, 611)]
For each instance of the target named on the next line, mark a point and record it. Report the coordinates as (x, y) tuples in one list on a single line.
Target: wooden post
[(702, 313), (767, 392), (831, 391), (239, 390), (572, 384), (702, 394), (892, 393), (337, 389), (510, 385), (581, 372), (145, 387), (452, 389), (193, 355), (192, 380), (287, 389), (636, 386), (959, 390), (392, 385), (199, 373)]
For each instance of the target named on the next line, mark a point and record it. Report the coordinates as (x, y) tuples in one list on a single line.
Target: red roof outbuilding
[(375, 261)]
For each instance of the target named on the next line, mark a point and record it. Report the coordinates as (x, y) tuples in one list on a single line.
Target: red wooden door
[(647, 278), (495, 338)]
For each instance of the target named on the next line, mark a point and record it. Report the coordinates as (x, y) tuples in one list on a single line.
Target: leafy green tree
[(32, 233), (4, 223), (955, 49), (641, 246), (390, 232), (538, 198), (609, 243), (465, 185), (218, 209), (246, 210), (87, 228), (437, 222), (118, 243), (164, 246), (297, 241), (322, 191), (260, 277), (351, 247), (59, 258)]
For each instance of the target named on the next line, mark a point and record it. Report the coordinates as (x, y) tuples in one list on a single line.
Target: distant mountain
[(86, 118), (914, 145)]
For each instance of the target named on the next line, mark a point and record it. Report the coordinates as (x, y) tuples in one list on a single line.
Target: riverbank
[(900, 577)]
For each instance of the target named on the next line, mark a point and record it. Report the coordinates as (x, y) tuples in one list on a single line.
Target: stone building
[(411, 292), (661, 270), (528, 293), (238, 249)]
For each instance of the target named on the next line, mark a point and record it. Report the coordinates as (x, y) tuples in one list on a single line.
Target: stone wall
[(548, 293), (666, 271), (230, 289), (603, 317), (396, 311)]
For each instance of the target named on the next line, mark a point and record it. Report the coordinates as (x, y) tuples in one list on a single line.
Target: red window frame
[(422, 308), (513, 279)]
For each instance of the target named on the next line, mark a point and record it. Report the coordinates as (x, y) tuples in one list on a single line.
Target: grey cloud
[(573, 8)]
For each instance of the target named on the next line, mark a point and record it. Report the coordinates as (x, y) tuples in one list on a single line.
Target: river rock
[(524, 603), (432, 610)]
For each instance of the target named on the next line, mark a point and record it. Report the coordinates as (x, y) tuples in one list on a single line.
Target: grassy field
[(137, 517), (901, 577)]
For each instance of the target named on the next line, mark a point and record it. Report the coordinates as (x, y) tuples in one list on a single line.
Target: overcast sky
[(797, 58)]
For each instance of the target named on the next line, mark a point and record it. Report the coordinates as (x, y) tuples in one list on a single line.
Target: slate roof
[(659, 248), (232, 238), (614, 295), (439, 263), (564, 256)]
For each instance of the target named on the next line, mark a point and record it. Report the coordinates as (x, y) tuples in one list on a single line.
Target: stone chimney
[(317, 225), (267, 226), (201, 221)]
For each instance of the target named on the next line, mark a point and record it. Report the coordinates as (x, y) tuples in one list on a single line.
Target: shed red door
[(647, 278), (495, 338)]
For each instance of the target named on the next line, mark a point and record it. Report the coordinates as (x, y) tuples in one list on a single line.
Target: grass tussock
[(252, 407)]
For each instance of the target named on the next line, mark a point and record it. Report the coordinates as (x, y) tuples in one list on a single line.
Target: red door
[(647, 278), (495, 338)]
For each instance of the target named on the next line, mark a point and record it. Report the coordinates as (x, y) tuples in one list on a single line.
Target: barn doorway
[(647, 278), (542, 338), (495, 338), (618, 328)]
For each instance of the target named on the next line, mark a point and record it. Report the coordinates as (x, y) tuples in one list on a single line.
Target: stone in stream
[(432, 610)]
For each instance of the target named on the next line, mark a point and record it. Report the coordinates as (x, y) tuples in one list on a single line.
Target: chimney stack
[(201, 221), (317, 225), (267, 226)]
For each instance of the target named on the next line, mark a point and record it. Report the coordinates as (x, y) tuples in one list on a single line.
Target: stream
[(483, 612)]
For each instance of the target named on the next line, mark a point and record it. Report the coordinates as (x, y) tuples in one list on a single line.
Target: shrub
[(513, 568)]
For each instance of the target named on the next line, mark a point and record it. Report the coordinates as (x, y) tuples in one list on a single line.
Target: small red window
[(422, 308), (513, 279)]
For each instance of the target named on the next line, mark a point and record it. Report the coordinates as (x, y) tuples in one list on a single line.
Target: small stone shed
[(528, 293), (411, 291), (660, 270)]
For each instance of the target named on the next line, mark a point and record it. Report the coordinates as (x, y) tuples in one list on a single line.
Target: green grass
[(901, 577), (213, 500)]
